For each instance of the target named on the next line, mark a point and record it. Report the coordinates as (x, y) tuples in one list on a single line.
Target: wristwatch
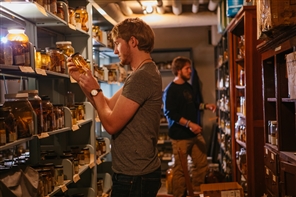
[(95, 92)]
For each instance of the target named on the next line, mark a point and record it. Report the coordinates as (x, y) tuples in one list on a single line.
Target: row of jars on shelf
[(240, 129), (15, 50), (77, 17), (17, 115)]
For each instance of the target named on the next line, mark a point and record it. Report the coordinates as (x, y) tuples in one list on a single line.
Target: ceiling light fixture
[(147, 8)]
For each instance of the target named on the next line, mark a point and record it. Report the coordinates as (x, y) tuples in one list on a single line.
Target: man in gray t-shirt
[(132, 114)]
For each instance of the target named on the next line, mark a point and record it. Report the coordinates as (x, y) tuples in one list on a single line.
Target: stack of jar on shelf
[(54, 58), (77, 17), (18, 112), (240, 129)]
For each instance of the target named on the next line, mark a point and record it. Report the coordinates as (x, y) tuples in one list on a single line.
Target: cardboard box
[(226, 189), (273, 15)]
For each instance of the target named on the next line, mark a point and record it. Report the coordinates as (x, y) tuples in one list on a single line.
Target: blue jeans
[(136, 186)]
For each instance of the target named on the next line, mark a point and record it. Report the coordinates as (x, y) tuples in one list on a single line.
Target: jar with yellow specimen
[(55, 59), (65, 47), (45, 60), (7, 125), (81, 17), (72, 19), (79, 62)]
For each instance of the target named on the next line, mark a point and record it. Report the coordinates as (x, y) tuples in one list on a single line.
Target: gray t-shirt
[(134, 148)]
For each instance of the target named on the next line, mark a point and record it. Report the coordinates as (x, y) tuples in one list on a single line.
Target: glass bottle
[(19, 42), (45, 60), (22, 109), (59, 175), (38, 58), (79, 62), (55, 59), (169, 180), (8, 125), (81, 17), (72, 19), (48, 114), (2, 131), (6, 56), (66, 47), (36, 103), (242, 77)]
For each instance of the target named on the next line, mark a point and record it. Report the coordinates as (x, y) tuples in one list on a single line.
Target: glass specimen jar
[(6, 56), (20, 45), (48, 114), (66, 47), (36, 103), (8, 124), (81, 17), (45, 60), (22, 109), (79, 62), (56, 60)]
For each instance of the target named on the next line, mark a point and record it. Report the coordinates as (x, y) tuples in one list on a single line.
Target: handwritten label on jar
[(267, 171), (274, 178)]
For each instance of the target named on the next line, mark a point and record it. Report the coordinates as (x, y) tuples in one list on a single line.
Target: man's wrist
[(187, 123)]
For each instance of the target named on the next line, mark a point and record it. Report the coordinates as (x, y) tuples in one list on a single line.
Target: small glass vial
[(81, 158), (59, 115), (86, 155), (45, 60), (2, 132), (70, 99), (59, 175), (72, 19), (99, 189), (76, 165), (48, 114), (242, 77), (79, 62), (80, 111), (273, 132)]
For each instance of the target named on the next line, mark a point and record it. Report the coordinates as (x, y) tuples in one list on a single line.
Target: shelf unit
[(279, 157), (244, 56), (44, 29), (223, 135)]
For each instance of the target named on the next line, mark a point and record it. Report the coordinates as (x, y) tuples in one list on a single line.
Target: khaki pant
[(196, 148)]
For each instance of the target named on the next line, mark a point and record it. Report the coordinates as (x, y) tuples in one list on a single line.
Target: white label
[(231, 193), (64, 188), (43, 135), (40, 71), (26, 69), (76, 178), (75, 127), (99, 161), (91, 165), (272, 156)]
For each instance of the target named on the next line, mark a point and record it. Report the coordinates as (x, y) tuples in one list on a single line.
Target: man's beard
[(184, 77)]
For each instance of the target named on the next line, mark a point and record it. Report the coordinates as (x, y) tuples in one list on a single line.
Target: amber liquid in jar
[(81, 17), (36, 103), (19, 42), (79, 62), (23, 112)]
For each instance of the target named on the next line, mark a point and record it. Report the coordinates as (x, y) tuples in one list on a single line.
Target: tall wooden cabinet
[(279, 115), (246, 102)]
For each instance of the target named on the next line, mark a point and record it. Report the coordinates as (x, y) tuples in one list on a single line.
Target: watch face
[(94, 92)]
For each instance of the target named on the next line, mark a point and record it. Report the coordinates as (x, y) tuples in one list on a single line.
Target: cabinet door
[(288, 179)]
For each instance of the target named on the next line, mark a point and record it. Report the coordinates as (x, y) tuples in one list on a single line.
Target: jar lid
[(16, 96), (63, 42), (28, 91)]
